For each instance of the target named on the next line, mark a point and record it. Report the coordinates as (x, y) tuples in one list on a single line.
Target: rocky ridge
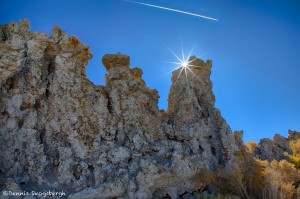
[(268, 149), (59, 131)]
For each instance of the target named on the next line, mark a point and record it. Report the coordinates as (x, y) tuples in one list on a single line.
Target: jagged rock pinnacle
[(115, 60)]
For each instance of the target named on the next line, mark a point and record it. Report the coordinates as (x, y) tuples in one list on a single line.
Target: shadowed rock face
[(58, 131)]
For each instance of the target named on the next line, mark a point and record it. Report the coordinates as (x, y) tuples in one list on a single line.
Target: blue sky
[(255, 48)]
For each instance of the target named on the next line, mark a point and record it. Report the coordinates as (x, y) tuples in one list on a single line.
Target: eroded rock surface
[(58, 131), (268, 149)]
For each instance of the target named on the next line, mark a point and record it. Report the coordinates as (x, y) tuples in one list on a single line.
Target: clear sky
[(255, 48)]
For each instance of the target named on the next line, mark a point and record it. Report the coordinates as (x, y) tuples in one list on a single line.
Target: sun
[(184, 63)]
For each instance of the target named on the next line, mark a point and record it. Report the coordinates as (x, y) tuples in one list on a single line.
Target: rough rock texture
[(58, 131), (268, 149), (238, 137)]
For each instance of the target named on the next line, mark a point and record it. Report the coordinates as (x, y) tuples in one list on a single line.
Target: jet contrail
[(180, 11)]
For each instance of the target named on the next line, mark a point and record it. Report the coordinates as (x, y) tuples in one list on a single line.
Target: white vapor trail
[(180, 11)]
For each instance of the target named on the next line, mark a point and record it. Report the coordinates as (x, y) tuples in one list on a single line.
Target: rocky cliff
[(59, 131)]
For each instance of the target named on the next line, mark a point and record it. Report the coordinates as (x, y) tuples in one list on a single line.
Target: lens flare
[(184, 63)]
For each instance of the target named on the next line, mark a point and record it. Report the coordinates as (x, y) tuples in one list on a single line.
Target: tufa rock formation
[(268, 149), (58, 131)]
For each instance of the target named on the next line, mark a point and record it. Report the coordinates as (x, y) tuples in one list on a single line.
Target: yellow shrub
[(251, 146), (245, 178), (295, 156), (248, 177), (282, 179)]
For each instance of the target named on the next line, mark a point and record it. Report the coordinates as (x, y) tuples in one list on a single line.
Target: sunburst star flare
[(184, 63)]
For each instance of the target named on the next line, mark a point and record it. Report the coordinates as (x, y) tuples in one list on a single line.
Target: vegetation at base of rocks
[(295, 156), (250, 178), (251, 146), (216, 196), (244, 178)]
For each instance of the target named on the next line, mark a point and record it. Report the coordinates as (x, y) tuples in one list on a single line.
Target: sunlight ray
[(190, 70), (192, 49), (171, 62), (182, 51), (174, 54), (187, 80), (180, 72)]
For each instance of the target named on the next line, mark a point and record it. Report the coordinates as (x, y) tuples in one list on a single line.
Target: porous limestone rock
[(193, 116), (58, 131), (268, 149)]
